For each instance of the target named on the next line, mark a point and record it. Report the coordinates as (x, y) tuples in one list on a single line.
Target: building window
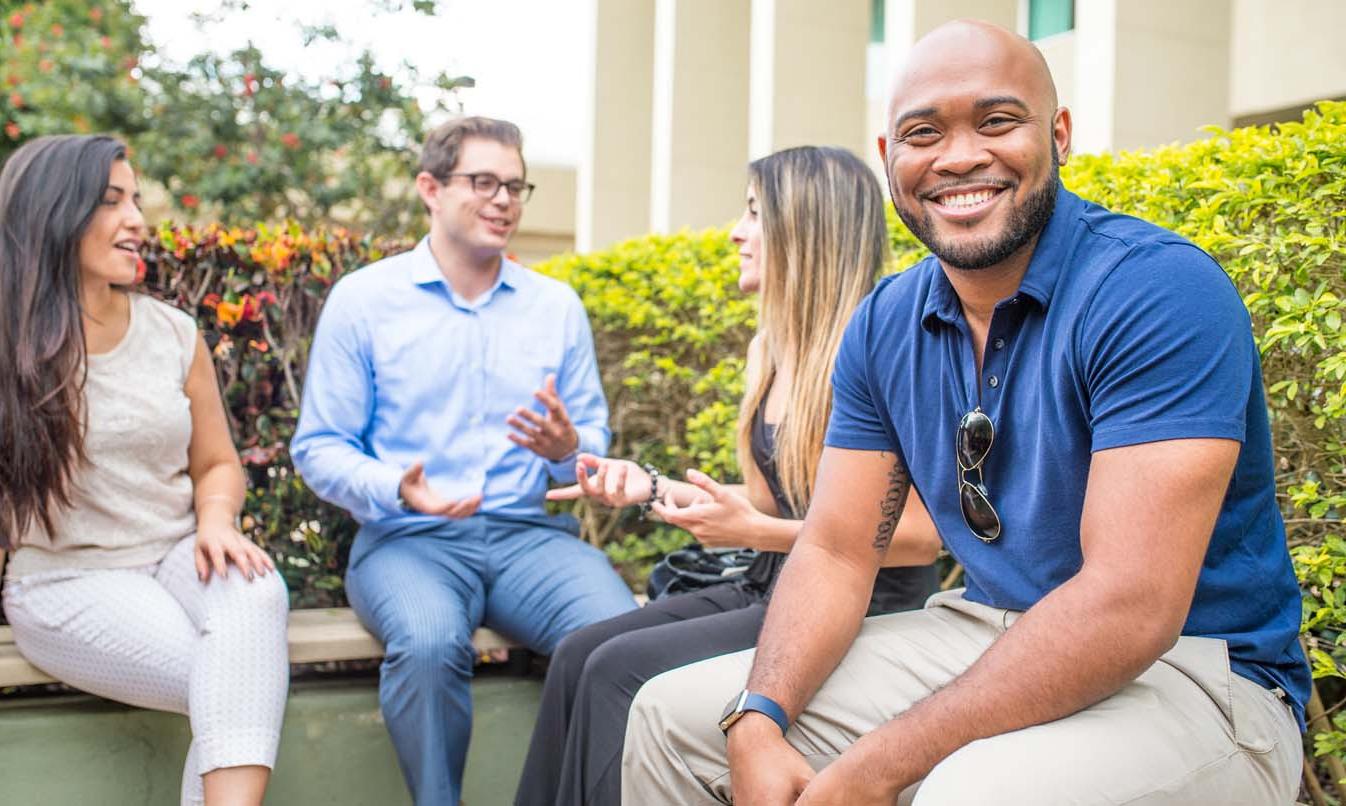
[(876, 22), (1049, 17)]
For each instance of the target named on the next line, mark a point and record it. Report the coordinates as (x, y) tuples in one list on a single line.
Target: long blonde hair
[(825, 241)]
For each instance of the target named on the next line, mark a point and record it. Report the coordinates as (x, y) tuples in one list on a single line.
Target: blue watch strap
[(763, 704)]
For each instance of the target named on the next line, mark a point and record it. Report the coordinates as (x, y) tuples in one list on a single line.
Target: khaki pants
[(1187, 731)]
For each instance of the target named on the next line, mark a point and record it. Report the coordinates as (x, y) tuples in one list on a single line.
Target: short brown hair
[(439, 154)]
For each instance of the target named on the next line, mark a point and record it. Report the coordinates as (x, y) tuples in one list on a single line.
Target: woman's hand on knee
[(218, 545)]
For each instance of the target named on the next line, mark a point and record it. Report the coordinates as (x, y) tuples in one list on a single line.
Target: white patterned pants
[(156, 637)]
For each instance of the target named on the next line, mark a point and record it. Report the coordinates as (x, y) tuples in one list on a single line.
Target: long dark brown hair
[(49, 190)]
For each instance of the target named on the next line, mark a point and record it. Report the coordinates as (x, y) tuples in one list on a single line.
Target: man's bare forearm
[(802, 642)]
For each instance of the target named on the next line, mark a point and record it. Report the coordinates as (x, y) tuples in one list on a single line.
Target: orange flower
[(228, 313), (16, 20), (57, 30), (12, 130), (290, 139), (96, 14), (211, 300), (259, 346)]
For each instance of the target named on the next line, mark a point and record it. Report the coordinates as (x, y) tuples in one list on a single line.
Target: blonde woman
[(811, 241)]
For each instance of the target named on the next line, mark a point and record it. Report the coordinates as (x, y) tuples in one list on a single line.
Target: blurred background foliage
[(228, 137)]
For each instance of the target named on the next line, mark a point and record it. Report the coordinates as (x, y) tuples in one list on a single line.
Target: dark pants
[(576, 753)]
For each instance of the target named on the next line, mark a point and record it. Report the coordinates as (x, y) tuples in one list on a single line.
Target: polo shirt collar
[(1044, 268)]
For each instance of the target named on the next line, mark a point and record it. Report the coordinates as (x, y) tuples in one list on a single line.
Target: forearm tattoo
[(890, 508)]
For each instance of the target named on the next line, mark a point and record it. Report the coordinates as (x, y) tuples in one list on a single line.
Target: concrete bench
[(317, 635)]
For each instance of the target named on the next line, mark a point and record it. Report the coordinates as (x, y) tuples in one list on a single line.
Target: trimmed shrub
[(1270, 205)]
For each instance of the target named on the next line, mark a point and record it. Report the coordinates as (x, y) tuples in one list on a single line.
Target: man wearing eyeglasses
[(447, 385), (1077, 396)]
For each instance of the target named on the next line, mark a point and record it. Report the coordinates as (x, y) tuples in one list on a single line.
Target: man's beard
[(1025, 222)]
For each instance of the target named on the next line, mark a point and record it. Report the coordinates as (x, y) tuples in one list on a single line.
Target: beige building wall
[(699, 141), (1286, 54), (612, 200), (548, 224), (807, 82)]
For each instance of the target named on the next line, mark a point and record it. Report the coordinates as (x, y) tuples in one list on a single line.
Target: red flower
[(105, 42), (16, 20), (249, 84), (15, 100), (12, 80), (46, 65), (189, 201), (57, 30), (252, 311), (96, 14), (251, 158), (211, 300), (12, 130), (290, 139), (140, 269), (266, 298), (220, 151)]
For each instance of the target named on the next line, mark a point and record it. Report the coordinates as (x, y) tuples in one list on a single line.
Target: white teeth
[(966, 199)]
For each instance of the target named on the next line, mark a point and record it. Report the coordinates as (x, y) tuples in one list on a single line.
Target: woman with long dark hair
[(812, 241), (119, 483)]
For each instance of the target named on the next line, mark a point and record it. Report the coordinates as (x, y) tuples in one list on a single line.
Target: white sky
[(530, 58)]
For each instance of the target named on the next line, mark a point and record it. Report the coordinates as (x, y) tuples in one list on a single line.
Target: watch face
[(733, 711)]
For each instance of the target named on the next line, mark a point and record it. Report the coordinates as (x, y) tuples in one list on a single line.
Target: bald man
[(1077, 396)]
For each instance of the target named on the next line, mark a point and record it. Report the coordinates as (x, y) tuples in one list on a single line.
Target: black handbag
[(696, 567)]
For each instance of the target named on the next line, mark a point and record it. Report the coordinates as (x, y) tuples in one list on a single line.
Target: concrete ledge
[(334, 748)]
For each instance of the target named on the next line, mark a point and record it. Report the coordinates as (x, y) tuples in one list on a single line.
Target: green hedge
[(1271, 207)]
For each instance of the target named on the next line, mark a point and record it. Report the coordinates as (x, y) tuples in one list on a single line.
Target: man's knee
[(429, 651)]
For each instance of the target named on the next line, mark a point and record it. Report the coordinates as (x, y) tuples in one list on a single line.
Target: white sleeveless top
[(133, 500)]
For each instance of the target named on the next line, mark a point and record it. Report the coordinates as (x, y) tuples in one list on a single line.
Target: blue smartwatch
[(746, 701)]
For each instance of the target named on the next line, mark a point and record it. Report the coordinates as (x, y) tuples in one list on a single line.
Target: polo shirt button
[(993, 381), (998, 344)]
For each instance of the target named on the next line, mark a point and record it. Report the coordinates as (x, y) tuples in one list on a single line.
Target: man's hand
[(552, 437), (614, 482), (861, 776), (718, 518), (417, 494), (764, 769)]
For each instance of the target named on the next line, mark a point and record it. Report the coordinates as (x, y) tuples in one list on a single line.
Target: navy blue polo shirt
[(1121, 333)]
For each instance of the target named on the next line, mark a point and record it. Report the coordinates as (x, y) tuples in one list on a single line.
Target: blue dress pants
[(422, 587)]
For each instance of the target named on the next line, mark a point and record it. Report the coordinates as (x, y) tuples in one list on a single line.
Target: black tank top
[(894, 588)]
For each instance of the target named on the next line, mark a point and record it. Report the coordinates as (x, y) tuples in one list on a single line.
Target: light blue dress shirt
[(403, 369)]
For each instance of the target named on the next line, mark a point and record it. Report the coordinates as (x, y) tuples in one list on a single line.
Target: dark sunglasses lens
[(978, 513), (975, 434)]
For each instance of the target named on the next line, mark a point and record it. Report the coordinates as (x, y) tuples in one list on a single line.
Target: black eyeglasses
[(975, 435), (487, 185)]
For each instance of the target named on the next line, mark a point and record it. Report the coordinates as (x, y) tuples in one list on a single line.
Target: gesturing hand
[(219, 544), (417, 494), (615, 482), (551, 437), (718, 518)]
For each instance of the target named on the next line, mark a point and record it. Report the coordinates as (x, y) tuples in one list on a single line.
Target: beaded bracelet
[(654, 491)]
